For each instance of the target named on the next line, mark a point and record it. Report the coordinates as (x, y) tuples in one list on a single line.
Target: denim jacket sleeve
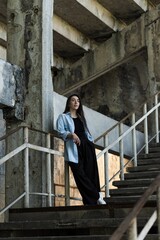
[(63, 127)]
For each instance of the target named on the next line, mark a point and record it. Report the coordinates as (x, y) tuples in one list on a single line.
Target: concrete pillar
[(2, 167), (153, 55), (29, 46)]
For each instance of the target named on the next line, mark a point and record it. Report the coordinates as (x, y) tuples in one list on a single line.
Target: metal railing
[(25, 147), (142, 124), (129, 224)]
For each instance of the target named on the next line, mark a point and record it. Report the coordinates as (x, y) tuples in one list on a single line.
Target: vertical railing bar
[(145, 128), (132, 230), (67, 184), (121, 152), (26, 169), (134, 142), (156, 119), (158, 209), (49, 178), (106, 167), (147, 226)]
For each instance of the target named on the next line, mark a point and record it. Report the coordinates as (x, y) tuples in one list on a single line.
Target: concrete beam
[(101, 13), (142, 3), (122, 47), (3, 31), (71, 33)]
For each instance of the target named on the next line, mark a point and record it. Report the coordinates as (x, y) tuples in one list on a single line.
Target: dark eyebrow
[(75, 98)]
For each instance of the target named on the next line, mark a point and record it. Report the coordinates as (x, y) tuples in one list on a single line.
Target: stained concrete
[(2, 167), (12, 90), (121, 73)]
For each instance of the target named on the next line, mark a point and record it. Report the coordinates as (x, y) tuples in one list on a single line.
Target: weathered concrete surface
[(123, 72), (122, 47), (12, 90), (26, 48), (2, 167), (7, 85), (3, 38), (153, 47)]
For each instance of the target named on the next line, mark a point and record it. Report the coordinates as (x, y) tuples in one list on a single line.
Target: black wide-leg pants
[(85, 173)]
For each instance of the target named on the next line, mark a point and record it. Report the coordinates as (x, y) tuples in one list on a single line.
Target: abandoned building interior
[(108, 52)]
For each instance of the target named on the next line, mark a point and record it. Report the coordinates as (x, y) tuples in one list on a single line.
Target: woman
[(80, 151)]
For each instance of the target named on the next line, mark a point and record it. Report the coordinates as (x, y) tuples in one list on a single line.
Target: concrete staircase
[(90, 222)]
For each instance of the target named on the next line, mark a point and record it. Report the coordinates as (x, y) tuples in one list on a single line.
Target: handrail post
[(49, 185), (156, 119), (67, 189), (106, 167), (134, 141), (26, 169), (132, 230), (158, 210), (145, 128), (121, 153)]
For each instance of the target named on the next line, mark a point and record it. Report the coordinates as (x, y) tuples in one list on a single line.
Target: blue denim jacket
[(65, 126)]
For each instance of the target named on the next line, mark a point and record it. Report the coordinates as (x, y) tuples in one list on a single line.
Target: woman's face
[(74, 103)]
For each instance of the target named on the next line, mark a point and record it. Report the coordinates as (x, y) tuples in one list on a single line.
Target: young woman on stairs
[(80, 150)]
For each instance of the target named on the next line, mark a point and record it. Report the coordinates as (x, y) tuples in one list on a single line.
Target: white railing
[(25, 147), (142, 124), (129, 224)]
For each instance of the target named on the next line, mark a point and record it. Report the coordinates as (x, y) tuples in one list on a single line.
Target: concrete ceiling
[(92, 22), (81, 25)]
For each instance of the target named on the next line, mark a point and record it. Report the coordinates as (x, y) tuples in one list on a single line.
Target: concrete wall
[(123, 71), (2, 167), (2, 121)]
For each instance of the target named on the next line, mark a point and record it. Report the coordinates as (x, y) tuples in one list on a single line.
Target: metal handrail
[(130, 222), (54, 133), (3, 210), (25, 147), (119, 140)]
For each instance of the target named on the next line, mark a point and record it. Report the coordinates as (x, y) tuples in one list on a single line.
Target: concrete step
[(65, 228), (81, 237), (152, 145), (133, 183), (70, 227), (127, 191), (58, 213), (137, 175), (144, 168), (152, 161), (149, 155), (154, 149), (129, 201)]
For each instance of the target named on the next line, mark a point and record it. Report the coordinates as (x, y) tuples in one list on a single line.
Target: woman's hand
[(75, 138)]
